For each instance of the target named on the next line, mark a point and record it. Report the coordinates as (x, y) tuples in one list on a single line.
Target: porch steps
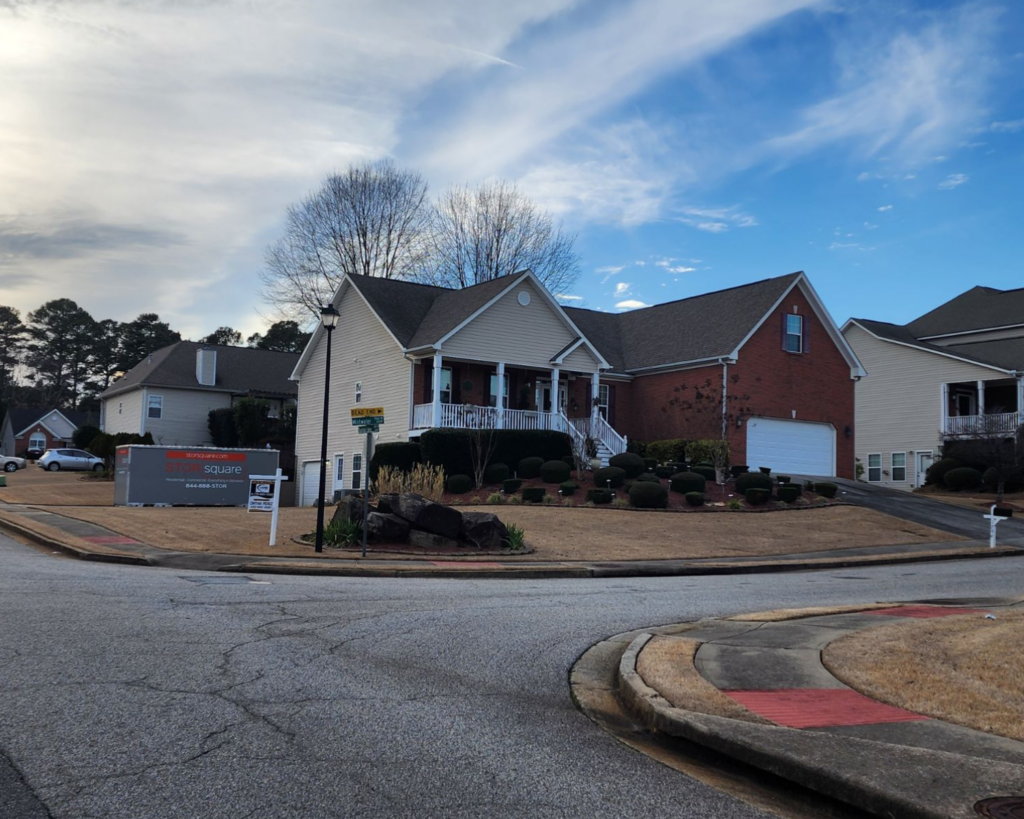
[(603, 453)]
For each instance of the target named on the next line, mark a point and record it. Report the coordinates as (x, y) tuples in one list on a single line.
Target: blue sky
[(148, 150)]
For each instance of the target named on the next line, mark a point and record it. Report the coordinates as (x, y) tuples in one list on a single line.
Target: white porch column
[(595, 393), (555, 372), (1020, 399), (437, 389), (500, 397), (981, 398), (944, 413)]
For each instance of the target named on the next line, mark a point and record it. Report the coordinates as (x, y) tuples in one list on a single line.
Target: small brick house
[(38, 429), (762, 364)]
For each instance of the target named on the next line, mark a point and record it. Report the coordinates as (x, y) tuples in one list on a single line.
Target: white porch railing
[(995, 424), (601, 431)]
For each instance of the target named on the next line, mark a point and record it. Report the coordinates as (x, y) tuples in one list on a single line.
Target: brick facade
[(22, 441)]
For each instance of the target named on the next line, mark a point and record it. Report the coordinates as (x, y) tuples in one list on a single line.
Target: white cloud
[(716, 220), (869, 226), (681, 269), (622, 289), (1007, 126), (848, 246), (611, 269), (885, 208), (864, 176), (568, 297), (640, 263), (954, 180), (630, 304)]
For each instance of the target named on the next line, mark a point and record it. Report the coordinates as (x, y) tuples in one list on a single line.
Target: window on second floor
[(359, 392), (155, 406), (794, 334)]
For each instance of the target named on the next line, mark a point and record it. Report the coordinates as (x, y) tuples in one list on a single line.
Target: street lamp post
[(329, 318)]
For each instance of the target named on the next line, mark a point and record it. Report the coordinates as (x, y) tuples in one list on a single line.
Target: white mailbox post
[(994, 517), (265, 496)]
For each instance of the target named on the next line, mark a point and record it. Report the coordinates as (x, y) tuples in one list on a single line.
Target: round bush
[(600, 496), (789, 492), (683, 482), (511, 485), (937, 471), (645, 495), (826, 490), (756, 497), (738, 469), (706, 472), (570, 461), (496, 473), (783, 479), (530, 467), (665, 472), (964, 477), (991, 479), (610, 477), (694, 498), (459, 484), (555, 472), (799, 489), (650, 464), (629, 463), (649, 477), (753, 480), (569, 488), (627, 486), (765, 470), (534, 494)]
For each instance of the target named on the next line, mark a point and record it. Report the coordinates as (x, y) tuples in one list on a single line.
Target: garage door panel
[(800, 447), (310, 483)]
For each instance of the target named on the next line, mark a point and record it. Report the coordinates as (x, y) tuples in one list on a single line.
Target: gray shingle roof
[(240, 370), (22, 419), (977, 309), (1000, 354)]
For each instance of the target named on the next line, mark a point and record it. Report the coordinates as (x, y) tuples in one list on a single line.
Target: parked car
[(54, 460), (33, 454), (12, 464)]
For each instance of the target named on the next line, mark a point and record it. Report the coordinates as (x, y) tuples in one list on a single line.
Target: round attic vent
[(523, 298)]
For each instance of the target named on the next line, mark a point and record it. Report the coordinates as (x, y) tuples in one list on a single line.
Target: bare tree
[(483, 233), (482, 440), (370, 219)]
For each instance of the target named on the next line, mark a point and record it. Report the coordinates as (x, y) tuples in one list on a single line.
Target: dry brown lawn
[(554, 533), (975, 500), (39, 487), (964, 669)]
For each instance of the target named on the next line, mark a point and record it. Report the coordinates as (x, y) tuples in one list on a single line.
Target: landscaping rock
[(387, 504), (484, 530), (349, 507), (386, 528), (424, 514), (426, 540)]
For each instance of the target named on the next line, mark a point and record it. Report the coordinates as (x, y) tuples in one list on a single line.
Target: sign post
[(265, 496), (996, 516), (368, 421)]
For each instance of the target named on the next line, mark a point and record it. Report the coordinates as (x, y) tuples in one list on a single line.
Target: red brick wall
[(21, 443), (766, 380)]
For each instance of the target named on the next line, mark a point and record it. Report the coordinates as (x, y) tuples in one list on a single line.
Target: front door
[(924, 460), (544, 395)]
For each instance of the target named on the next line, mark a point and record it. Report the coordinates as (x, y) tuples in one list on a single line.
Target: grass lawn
[(37, 486), (963, 669), (975, 500), (555, 533)]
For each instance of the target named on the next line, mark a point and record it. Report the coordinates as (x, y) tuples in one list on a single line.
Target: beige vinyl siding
[(580, 359), (130, 417), (527, 336), (185, 417), (362, 351), (899, 402)]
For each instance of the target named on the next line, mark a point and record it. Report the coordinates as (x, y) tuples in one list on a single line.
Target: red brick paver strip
[(923, 612), (820, 707), (111, 540)]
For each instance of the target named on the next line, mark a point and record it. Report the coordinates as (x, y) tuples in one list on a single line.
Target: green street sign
[(368, 420), (367, 428)]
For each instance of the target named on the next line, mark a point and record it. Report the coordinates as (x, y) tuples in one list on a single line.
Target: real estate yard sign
[(187, 476)]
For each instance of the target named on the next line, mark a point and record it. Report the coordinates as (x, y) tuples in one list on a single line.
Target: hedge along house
[(506, 354), (171, 392)]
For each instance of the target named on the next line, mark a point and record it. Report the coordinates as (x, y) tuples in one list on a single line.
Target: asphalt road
[(150, 693)]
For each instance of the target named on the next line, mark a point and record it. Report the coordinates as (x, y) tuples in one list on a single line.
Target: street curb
[(72, 551), (886, 780)]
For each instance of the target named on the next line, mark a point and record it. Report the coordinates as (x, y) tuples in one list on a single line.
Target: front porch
[(981, 408)]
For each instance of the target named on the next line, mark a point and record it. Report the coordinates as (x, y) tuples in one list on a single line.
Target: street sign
[(369, 420), (366, 429), (367, 415)]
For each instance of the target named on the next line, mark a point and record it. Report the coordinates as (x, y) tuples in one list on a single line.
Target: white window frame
[(893, 467), (154, 402), (603, 397), (798, 334), (339, 470), (870, 467), (359, 392), (120, 406), (446, 374), (491, 397), (37, 436), (357, 470)]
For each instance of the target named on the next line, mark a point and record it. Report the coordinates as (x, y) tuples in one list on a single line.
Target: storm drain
[(1001, 807)]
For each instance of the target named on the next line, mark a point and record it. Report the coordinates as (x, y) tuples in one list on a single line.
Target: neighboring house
[(506, 353), (170, 393), (25, 429), (952, 373)]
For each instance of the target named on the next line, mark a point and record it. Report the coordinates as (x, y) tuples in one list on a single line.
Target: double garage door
[(796, 447)]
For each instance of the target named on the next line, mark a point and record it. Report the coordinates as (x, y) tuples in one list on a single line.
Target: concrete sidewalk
[(88, 541), (799, 722)]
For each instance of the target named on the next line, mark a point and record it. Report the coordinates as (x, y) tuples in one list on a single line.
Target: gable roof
[(980, 308), (240, 370), (1000, 355), (22, 419)]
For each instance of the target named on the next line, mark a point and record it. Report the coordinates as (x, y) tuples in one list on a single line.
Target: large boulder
[(484, 530), (424, 514), (427, 540), (350, 507), (386, 528), (387, 503)]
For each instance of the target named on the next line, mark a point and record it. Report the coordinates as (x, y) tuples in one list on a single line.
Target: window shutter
[(782, 338), (456, 386), (806, 323), (611, 404), (428, 378)]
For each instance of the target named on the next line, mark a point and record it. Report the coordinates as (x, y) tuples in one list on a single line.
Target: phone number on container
[(206, 486)]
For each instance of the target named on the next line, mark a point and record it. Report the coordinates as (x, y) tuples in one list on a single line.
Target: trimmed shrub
[(683, 482), (534, 494), (783, 479), (496, 473), (570, 461), (637, 448), (964, 477), (650, 464), (568, 488), (937, 471), (600, 496), (629, 463), (757, 497), (667, 451), (991, 478), (738, 469), (789, 492), (555, 472), (826, 490), (648, 477), (708, 451), (530, 467), (809, 486), (221, 423), (664, 472), (694, 498), (753, 480), (451, 449), (400, 455), (627, 486), (511, 485), (765, 470), (706, 472), (459, 484), (83, 435), (610, 476), (678, 466), (799, 489), (644, 495)]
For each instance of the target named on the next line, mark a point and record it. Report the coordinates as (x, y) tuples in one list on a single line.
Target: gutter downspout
[(725, 395)]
